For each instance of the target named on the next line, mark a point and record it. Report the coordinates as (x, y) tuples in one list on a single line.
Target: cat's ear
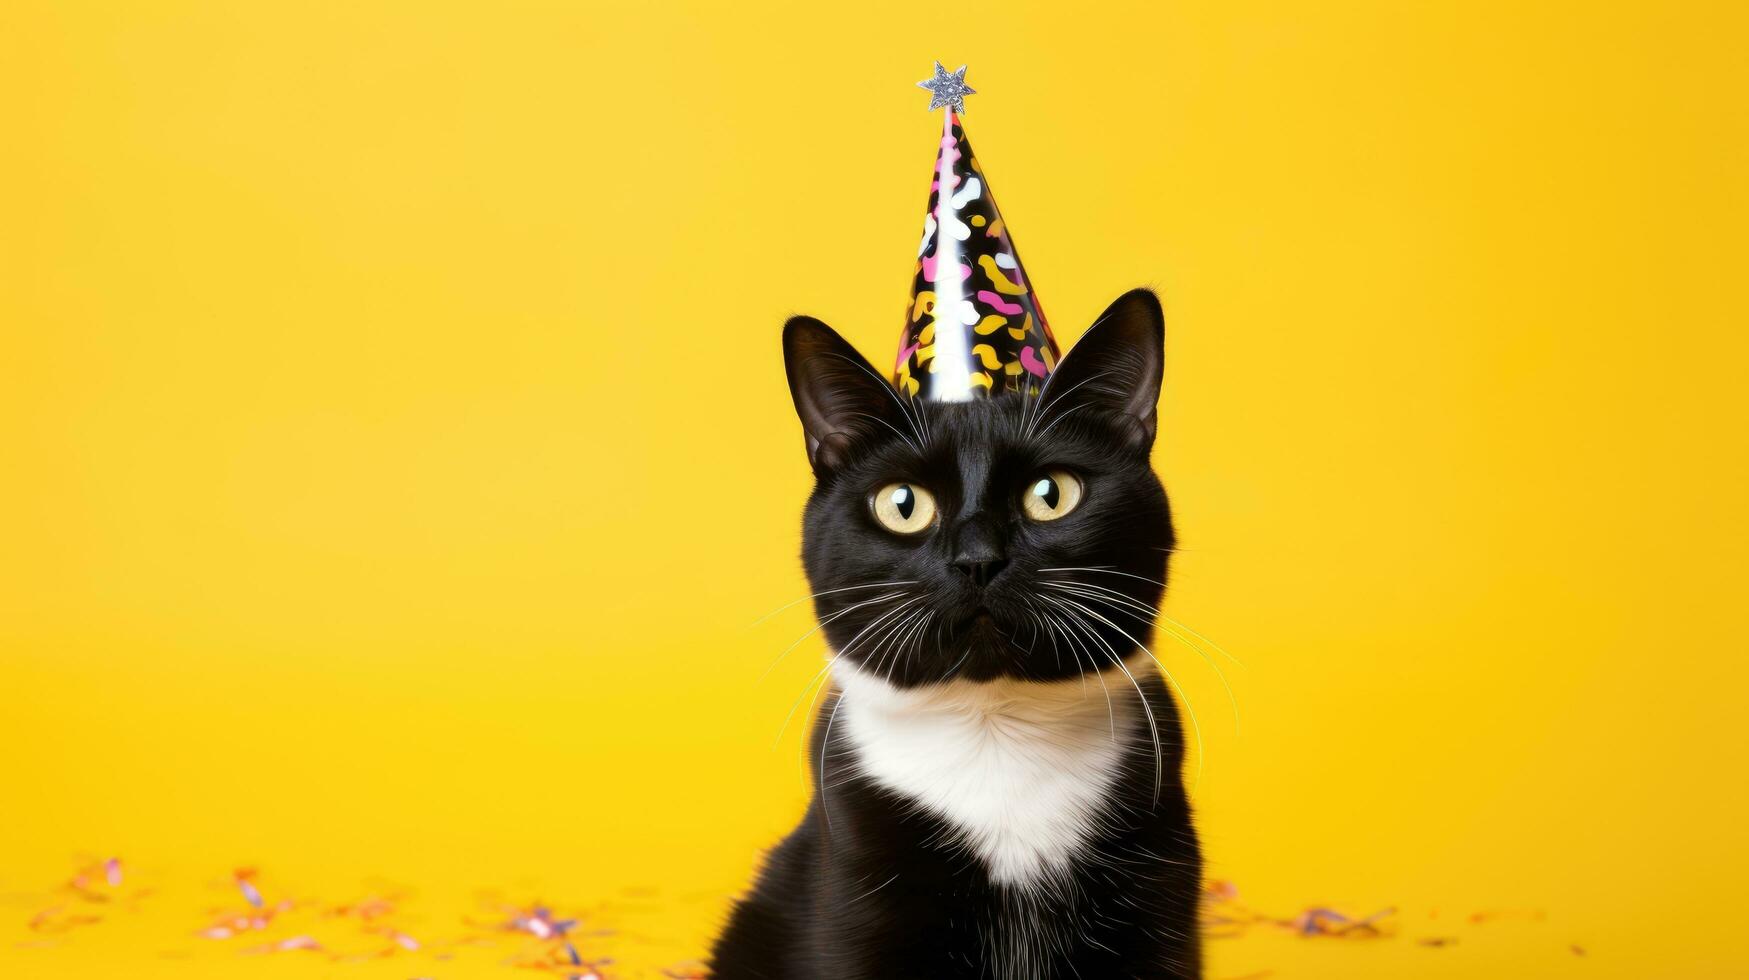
[(1114, 369), (840, 398)]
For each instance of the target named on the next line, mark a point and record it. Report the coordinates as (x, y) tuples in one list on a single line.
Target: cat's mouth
[(982, 622), (980, 646)]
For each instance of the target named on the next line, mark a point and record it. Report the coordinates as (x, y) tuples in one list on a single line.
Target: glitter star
[(947, 89)]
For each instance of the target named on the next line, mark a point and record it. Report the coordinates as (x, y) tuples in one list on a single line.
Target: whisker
[(884, 646), (912, 642), (1045, 407), (1147, 709), (1045, 388), (1194, 724), (821, 625), (1111, 594), (848, 588), (1192, 632), (1071, 410), (1098, 675), (1056, 657), (1129, 606), (958, 663), (904, 409), (1155, 581), (798, 701), (915, 446), (871, 625), (889, 644), (915, 642), (833, 659), (826, 750)]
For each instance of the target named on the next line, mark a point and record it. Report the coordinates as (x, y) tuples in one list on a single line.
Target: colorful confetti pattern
[(974, 326)]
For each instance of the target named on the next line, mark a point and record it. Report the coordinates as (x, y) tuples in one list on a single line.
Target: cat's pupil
[(1046, 490), (904, 501)]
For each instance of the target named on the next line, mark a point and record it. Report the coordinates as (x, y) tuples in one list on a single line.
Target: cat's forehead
[(981, 423), (972, 441)]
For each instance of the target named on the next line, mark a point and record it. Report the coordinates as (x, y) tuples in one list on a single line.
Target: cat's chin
[(984, 648)]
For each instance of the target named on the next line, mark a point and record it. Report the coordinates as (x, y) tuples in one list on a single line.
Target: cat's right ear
[(840, 398)]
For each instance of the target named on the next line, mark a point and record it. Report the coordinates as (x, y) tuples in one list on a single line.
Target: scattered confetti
[(374, 927), (1224, 917)]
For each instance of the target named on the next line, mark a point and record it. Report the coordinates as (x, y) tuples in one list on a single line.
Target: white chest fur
[(1022, 771)]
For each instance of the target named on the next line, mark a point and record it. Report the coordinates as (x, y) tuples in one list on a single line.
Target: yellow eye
[(1054, 494), (904, 508)]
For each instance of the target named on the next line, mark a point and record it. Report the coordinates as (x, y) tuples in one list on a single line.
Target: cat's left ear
[(1115, 368)]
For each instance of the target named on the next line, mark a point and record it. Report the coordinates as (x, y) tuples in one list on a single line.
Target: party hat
[(974, 326)]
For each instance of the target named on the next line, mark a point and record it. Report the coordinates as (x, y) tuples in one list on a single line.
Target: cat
[(997, 789)]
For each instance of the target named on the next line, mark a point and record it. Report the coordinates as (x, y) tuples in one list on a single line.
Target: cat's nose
[(980, 570), (978, 553)]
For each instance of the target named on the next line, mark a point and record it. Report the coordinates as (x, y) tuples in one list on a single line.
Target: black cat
[(997, 768)]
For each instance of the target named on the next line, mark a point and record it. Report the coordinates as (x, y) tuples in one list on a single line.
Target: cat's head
[(1010, 536)]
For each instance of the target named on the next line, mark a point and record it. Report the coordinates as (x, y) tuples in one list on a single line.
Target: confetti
[(259, 917), (539, 922), (536, 937), (1224, 917), (246, 885), (288, 945)]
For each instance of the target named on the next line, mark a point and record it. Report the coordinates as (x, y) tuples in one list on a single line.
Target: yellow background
[(395, 455)]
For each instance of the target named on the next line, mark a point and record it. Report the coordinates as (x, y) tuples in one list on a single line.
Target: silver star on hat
[(947, 88)]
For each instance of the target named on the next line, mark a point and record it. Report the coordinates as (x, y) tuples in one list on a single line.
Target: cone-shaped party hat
[(974, 326)]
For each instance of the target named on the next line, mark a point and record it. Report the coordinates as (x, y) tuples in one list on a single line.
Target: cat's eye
[(904, 508), (1053, 494)]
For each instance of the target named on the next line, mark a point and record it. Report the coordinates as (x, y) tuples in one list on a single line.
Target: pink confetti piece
[(539, 922), (112, 872), (298, 942), (289, 944), (250, 892)]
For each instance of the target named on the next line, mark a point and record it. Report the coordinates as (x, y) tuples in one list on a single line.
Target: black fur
[(869, 886)]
